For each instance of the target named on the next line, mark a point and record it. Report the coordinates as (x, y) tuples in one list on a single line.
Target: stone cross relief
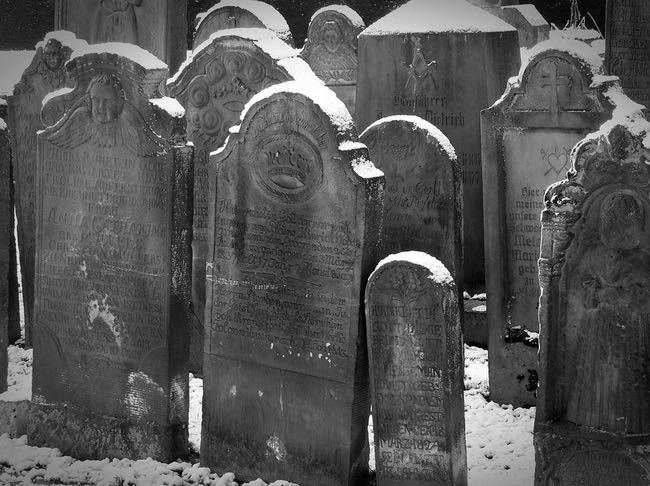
[(553, 81), (419, 69)]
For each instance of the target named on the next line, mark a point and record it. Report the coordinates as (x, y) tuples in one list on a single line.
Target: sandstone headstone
[(627, 46), (112, 293), (213, 85), (230, 14), (442, 60), (527, 140), (296, 207), (415, 343), (45, 74), (592, 424), (423, 199), (331, 50), (159, 26), (6, 225)]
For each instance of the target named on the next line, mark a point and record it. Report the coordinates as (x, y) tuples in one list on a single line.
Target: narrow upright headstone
[(295, 210), (231, 14), (45, 74), (627, 46), (527, 140), (331, 50), (444, 61), (592, 424), (6, 226), (213, 85), (423, 208), (112, 293), (415, 344)]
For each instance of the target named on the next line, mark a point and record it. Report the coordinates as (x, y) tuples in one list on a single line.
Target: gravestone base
[(516, 364), (566, 454)]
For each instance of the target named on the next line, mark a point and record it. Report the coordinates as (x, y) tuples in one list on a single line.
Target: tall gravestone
[(159, 26), (231, 14), (112, 293), (592, 424), (6, 225), (45, 74), (213, 85), (295, 210), (527, 140), (331, 50), (444, 61), (627, 46), (416, 366)]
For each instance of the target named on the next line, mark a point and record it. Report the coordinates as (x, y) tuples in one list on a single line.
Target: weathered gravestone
[(592, 424), (423, 199), (112, 293), (45, 74), (331, 50), (527, 140), (416, 367), (159, 26), (627, 48), (6, 225), (213, 85), (230, 14), (442, 60), (295, 211)]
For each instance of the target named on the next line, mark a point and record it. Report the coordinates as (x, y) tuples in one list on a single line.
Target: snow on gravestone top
[(350, 14), (296, 207)]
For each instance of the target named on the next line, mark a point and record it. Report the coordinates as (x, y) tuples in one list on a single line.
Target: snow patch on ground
[(19, 375)]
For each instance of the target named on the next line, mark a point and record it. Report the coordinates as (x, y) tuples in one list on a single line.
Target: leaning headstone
[(592, 424), (423, 206), (331, 50), (416, 362), (112, 293), (45, 74), (627, 46), (444, 61), (231, 14), (159, 26), (6, 226), (295, 209), (213, 85), (527, 140)]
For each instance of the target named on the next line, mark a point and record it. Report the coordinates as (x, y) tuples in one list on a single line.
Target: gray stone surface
[(6, 226)]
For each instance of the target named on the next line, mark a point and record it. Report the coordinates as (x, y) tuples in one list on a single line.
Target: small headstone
[(296, 207), (444, 61), (415, 343), (231, 14), (592, 424), (627, 46), (45, 74), (527, 140), (331, 50), (423, 207), (112, 293), (6, 226)]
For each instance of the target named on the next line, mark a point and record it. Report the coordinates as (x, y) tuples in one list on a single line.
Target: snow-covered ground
[(499, 443)]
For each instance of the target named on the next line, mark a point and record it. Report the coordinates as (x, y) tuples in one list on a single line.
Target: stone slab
[(6, 226)]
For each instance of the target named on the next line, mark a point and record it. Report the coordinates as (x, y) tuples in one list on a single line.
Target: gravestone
[(527, 140), (627, 46), (444, 61), (423, 199), (159, 26), (331, 50), (112, 293), (45, 74), (416, 366), (6, 225), (213, 85), (296, 209), (230, 14), (592, 424)]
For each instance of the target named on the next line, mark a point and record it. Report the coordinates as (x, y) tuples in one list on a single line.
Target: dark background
[(24, 22)]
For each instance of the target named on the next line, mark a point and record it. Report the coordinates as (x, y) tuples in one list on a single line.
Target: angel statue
[(46, 72), (115, 21)]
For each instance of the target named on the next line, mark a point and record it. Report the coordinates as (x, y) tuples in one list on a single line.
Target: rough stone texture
[(13, 416), (331, 51), (527, 140), (295, 232), (531, 27), (6, 226), (592, 424), (627, 45), (112, 292), (159, 26), (416, 366), (445, 78)]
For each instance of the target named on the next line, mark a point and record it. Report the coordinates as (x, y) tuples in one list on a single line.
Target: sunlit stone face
[(106, 103)]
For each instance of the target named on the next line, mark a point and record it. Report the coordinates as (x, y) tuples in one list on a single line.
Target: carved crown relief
[(46, 72)]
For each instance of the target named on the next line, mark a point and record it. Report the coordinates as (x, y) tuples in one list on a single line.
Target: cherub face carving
[(332, 36), (53, 54), (106, 99)]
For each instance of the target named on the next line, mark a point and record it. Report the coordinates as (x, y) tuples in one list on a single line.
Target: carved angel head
[(53, 55), (106, 98)]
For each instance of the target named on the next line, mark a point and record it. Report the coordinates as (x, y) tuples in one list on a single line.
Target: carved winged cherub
[(46, 72)]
